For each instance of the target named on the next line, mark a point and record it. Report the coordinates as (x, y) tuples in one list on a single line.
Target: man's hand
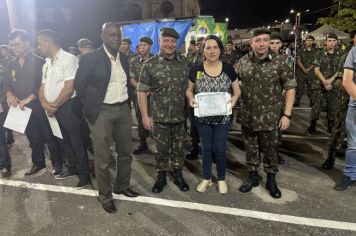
[(11, 100), (147, 123), (23, 103), (327, 84), (49, 108), (284, 123)]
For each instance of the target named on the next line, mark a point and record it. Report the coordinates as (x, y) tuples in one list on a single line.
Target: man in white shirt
[(58, 98)]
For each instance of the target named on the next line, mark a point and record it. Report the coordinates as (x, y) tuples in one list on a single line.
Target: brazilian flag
[(220, 30), (204, 25)]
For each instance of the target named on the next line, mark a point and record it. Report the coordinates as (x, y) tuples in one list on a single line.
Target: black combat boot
[(193, 154), (179, 181), (330, 161), (160, 182), (312, 128), (272, 187), (252, 181), (330, 125), (297, 103)]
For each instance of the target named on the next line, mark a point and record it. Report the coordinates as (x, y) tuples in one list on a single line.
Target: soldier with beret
[(305, 71), (325, 67), (263, 78), (135, 70), (165, 77)]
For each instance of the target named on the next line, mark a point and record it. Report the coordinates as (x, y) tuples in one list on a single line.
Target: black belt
[(115, 104)]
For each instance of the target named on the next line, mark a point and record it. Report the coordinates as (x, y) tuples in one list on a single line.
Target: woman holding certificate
[(213, 90)]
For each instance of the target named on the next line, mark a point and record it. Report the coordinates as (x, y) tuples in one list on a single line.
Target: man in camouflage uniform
[(125, 48), (338, 133), (305, 71), (135, 70), (165, 77), (326, 65), (194, 59), (230, 55), (263, 79)]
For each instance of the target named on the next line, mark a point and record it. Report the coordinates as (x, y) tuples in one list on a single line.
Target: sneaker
[(64, 175), (84, 181), (345, 184), (5, 173)]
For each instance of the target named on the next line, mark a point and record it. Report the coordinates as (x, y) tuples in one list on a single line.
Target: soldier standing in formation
[(338, 133), (305, 73), (125, 48), (263, 78), (135, 70), (326, 65), (165, 77), (230, 55)]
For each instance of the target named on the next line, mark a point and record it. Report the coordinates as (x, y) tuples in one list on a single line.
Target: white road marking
[(297, 220)]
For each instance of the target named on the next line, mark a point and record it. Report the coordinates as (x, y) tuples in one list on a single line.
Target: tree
[(342, 16)]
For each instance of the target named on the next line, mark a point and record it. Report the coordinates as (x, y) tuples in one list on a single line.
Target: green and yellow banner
[(220, 30), (204, 25)]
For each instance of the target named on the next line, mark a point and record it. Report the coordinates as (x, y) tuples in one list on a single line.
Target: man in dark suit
[(102, 82)]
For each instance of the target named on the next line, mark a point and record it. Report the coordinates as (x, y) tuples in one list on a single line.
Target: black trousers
[(194, 134), (70, 119), (38, 133)]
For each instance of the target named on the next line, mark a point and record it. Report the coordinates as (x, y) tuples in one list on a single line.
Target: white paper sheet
[(212, 104), (17, 119), (56, 130)]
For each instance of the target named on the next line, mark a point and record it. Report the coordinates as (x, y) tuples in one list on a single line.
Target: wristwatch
[(288, 116)]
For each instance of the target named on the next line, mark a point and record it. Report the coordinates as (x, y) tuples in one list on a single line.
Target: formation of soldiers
[(269, 90)]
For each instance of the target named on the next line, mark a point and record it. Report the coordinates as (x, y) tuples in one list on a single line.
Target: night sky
[(89, 15), (249, 13)]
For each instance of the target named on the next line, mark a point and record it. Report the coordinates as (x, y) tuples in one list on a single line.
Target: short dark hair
[(51, 36), (22, 34), (217, 40), (352, 34)]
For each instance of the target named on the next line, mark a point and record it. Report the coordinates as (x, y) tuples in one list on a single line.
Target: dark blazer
[(92, 79)]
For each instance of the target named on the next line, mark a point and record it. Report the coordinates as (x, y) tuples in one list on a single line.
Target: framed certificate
[(212, 104)]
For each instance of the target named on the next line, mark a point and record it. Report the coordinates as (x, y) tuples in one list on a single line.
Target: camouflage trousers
[(315, 100), (331, 99), (302, 83), (338, 133), (267, 142), (142, 132), (169, 142)]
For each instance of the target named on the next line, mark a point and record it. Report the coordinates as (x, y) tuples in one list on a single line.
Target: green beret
[(169, 32), (309, 36), (331, 36), (127, 40), (276, 35), (260, 31), (146, 40), (85, 43)]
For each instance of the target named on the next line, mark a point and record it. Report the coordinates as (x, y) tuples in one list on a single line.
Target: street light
[(227, 20), (291, 11), (287, 21)]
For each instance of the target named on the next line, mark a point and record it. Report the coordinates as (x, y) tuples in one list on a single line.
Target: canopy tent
[(320, 33)]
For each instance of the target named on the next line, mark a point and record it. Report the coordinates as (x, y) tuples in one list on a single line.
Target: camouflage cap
[(309, 36), (332, 36), (260, 31), (85, 43), (127, 40), (275, 35), (169, 32), (146, 39)]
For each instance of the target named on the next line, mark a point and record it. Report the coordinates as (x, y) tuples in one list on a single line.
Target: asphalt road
[(41, 205)]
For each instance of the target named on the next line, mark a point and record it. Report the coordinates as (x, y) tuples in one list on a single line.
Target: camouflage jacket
[(196, 58), (262, 83), (328, 62), (167, 80), (136, 64), (307, 58), (230, 58)]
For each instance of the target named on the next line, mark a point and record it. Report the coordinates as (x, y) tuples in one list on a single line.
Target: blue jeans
[(213, 139), (350, 155)]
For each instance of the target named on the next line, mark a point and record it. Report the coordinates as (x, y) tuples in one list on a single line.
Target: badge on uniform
[(199, 74), (13, 75)]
